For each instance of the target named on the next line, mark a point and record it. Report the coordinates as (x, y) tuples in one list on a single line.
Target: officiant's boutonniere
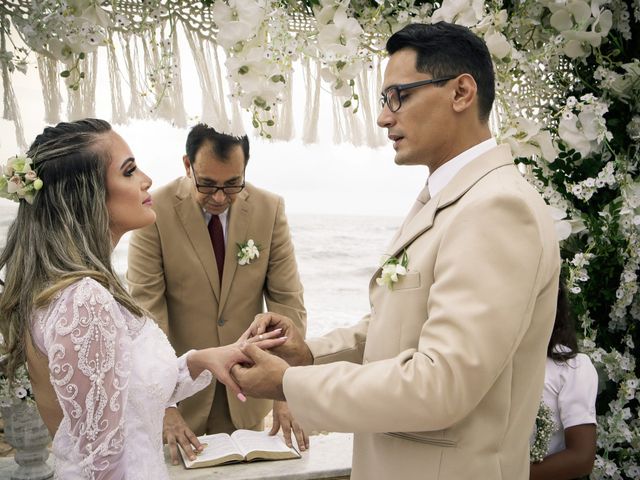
[(247, 252), (392, 267)]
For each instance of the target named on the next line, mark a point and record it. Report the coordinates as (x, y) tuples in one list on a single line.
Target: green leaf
[(65, 74)]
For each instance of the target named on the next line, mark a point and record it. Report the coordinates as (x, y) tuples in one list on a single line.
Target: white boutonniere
[(392, 267), (247, 252)]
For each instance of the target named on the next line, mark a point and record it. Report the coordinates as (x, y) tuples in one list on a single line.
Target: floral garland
[(545, 426), (18, 180)]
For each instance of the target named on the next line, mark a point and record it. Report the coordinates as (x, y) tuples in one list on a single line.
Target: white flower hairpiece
[(18, 180)]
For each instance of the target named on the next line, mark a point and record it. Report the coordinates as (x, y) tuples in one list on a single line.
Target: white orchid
[(239, 21), (247, 252), (582, 26), (586, 130), (392, 269), (340, 37), (497, 43), (527, 139), (462, 12), (564, 226)]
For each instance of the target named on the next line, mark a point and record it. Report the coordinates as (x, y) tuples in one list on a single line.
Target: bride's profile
[(102, 371)]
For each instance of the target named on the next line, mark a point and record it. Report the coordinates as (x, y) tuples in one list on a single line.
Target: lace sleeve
[(186, 386), (89, 360)]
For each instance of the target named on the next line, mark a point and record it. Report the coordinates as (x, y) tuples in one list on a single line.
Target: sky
[(322, 178)]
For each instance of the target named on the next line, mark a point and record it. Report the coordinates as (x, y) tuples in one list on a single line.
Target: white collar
[(445, 173)]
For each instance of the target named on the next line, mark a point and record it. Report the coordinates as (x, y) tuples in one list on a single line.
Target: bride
[(101, 370)]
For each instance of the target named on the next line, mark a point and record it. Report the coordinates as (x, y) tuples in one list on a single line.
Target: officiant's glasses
[(391, 96), (213, 189)]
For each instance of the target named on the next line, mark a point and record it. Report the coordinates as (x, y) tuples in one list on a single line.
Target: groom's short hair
[(447, 49), (221, 143)]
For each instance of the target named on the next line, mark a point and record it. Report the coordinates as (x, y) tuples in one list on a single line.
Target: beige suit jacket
[(443, 378), (172, 272)]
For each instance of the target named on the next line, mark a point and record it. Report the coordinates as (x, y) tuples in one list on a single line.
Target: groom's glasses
[(213, 189), (391, 96)]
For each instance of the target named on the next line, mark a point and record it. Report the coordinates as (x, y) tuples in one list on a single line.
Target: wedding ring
[(260, 336)]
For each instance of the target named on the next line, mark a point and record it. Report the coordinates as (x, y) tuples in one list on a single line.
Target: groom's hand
[(176, 431), (294, 351), (263, 379)]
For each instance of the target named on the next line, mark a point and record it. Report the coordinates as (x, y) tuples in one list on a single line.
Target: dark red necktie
[(217, 240)]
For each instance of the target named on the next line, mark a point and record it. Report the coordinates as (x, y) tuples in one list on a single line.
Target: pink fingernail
[(241, 397)]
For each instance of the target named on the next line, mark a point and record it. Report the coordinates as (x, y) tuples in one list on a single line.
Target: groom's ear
[(187, 165), (465, 93)]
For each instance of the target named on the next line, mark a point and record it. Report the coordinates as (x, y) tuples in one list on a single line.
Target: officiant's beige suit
[(172, 272), (442, 380)]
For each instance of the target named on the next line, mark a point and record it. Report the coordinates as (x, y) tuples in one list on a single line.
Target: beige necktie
[(421, 201)]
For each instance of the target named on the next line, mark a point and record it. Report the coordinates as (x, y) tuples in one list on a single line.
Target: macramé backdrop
[(568, 85)]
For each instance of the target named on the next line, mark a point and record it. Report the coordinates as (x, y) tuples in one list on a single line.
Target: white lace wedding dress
[(113, 374)]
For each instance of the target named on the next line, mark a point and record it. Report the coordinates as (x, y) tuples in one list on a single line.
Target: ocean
[(336, 254)]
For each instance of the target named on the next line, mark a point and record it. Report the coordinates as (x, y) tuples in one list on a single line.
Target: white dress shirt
[(445, 173)]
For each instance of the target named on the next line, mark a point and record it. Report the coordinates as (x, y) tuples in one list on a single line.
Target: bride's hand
[(220, 360)]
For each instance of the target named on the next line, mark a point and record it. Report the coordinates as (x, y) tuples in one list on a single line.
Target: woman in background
[(570, 389), (101, 370)]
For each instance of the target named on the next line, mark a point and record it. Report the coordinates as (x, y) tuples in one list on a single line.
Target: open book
[(240, 446)]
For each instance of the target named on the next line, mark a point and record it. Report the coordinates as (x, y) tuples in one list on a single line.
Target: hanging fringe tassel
[(178, 112), (207, 64), (136, 102), (82, 102), (50, 83), (312, 84), (284, 124), (149, 61), (11, 109), (339, 133), (367, 90), (118, 113), (235, 123)]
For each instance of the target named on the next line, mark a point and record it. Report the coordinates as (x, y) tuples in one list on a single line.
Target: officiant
[(220, 248)]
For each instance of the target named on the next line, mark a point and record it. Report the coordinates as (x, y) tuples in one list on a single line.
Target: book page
[(218, 448), (262, 445)]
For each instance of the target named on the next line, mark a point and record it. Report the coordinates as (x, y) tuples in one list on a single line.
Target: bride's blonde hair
[(64, 235)]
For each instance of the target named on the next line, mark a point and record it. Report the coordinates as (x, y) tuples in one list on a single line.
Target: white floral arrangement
[(545, 426), (17, 391), (18, 180), (247, 252), (392, 269)]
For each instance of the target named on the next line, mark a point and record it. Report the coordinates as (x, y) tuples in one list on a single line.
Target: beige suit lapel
[(459, 185), (239, 216), (192, 219)]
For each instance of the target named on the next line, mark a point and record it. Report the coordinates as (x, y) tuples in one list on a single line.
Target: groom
[(442, 379)]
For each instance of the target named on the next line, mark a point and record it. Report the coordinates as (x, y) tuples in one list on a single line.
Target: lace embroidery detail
[(113, 375)]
